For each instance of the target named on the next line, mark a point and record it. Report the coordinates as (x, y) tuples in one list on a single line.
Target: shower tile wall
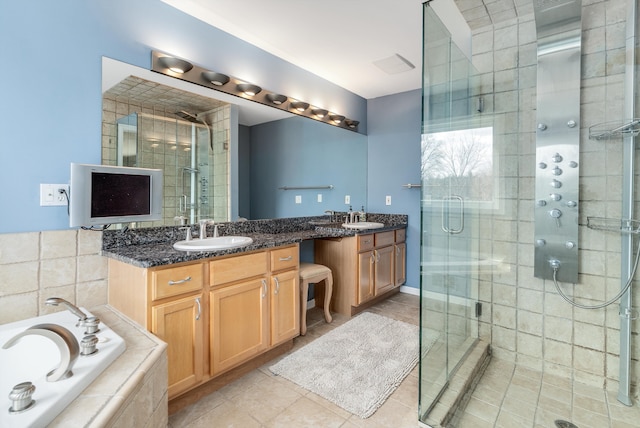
[(165, 143), (524, 318)]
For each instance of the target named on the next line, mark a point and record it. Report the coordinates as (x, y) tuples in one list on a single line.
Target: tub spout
[(65, 341), (55, 301)]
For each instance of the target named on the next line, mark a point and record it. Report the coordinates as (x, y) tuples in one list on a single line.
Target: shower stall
[(191, 149), (459, 186), (491, 207)]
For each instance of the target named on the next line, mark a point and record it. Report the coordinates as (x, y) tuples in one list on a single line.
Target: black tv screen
[(120, 194)]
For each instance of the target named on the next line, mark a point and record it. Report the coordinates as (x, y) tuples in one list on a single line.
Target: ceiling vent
[(394, 64)]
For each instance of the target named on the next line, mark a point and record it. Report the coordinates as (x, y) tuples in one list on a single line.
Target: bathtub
[(32, 357)]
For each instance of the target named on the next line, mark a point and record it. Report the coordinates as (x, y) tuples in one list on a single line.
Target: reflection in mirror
[(149, 125)]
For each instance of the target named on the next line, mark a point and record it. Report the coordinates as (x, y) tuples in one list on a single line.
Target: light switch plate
[(387, 200), (347, 199), (298, 199), (319, 197)]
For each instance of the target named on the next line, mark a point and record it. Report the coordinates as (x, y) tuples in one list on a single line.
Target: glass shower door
[(457, 189)]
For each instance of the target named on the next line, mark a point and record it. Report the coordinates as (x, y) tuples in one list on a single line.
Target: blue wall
[(51, 111), (50, 114), (300, 152), (394, 159)]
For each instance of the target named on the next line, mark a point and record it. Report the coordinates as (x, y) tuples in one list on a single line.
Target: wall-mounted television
[(101, 195)]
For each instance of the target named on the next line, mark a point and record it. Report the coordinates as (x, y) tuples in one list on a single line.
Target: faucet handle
[(187, 229)]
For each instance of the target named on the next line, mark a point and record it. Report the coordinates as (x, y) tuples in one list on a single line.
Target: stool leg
[(304, 292), (328, 291)]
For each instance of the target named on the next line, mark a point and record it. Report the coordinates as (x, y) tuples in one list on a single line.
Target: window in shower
[(458, 162)]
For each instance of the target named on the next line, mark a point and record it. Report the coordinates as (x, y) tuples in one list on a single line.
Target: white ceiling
[(337, 40)]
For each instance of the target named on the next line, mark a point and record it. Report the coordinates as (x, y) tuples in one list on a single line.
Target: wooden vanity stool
[(311, 273)]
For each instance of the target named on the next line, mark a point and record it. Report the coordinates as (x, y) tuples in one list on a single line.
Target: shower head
[(187, 116)]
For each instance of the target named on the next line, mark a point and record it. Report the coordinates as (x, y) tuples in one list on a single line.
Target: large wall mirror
[(153, 121)]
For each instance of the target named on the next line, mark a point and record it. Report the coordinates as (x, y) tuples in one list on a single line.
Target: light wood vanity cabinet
[(364, 267), (268, 289), (179, 323), (214, 314), (400, 258)]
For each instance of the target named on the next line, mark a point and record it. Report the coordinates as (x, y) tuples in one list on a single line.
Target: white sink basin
[(363, 225), (212, 244)]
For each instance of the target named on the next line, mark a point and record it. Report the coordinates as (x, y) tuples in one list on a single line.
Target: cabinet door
[(365, 288), (179, 323), (239, 323), (385, 260), (401, 264), (285, 306)]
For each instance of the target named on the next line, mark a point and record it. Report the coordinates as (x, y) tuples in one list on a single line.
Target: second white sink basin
[(363, 225), (212, 244)]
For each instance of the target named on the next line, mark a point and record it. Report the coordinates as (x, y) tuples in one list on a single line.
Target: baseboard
[(410, 290)]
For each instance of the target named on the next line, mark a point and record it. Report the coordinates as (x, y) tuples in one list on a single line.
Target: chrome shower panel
[(559, 30)]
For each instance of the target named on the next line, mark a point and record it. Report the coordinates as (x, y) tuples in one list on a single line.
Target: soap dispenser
[(363, 215), (350, 215)]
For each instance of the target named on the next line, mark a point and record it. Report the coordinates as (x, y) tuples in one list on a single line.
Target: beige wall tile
[(57, 244), (19, 247), (17, 307)]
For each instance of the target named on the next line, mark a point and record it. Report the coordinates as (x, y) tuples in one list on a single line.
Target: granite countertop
[(152, 247)]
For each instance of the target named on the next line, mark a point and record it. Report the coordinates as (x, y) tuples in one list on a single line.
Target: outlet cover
[(50, 195), (347, 199), (298, 199), (387, 200)]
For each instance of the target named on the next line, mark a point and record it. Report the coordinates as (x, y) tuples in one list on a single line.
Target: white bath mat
[(357, 365)]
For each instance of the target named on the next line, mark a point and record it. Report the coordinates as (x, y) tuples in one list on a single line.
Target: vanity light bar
[(184, 70)]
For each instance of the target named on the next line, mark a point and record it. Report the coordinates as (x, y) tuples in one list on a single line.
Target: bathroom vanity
[(214, 314), (367, 268), (225, 312)]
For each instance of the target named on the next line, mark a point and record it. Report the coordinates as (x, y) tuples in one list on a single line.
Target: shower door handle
[(446, 201)]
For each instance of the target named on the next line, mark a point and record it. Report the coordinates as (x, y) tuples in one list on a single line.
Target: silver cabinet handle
[(398, 250), (373, 259), (366, 241), (264, 288), (275, 278), (181, 281), (286, 259), (199, 309)]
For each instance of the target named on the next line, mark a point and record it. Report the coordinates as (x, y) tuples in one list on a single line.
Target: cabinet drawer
[(237, 268), (401, 235), (365, 242), (284, 258), (384, 238), (176, 280)]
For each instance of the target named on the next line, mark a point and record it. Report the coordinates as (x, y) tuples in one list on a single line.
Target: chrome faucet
[(203, 228), (55, 301), (332, 215), (65, 341)]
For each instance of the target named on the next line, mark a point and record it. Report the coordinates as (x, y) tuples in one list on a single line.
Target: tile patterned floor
[(260, 399), (507, 396), (512, 396)]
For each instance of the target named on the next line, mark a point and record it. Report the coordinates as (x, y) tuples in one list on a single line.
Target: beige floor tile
[(595, 405), (196, 410), (482, 410), (509, 420), (305, 413), (586, 419), (225, 415), (471, 421)]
